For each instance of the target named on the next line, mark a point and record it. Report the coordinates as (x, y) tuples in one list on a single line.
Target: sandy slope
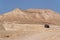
[(29, 25), (32, 32), (31, 16)]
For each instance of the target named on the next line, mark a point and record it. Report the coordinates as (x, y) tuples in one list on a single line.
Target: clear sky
[(8, 5)]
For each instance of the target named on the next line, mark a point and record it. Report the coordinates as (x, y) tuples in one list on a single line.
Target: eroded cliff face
[(30, 25), (31, 16), (17, 16)]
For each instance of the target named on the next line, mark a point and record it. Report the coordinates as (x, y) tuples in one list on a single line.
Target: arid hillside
[(31, 16), (30, 24)]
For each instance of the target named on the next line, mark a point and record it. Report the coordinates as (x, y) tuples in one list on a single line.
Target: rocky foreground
[(30, 25)]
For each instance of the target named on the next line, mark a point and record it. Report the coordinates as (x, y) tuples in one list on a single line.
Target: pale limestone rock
[(29, 25)]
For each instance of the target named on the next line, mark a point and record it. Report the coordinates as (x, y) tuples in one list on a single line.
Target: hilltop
[(31, 16)]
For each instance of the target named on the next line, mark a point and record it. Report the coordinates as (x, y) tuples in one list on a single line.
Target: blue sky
[(8, 5)]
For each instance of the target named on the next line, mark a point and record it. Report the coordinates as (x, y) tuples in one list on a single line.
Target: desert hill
[(30, 25), (31, 16)]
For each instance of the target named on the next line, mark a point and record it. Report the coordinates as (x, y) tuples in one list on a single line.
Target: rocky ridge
[(31, 16)]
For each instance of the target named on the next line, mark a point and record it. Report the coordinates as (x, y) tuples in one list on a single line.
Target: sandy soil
[(32, 32)]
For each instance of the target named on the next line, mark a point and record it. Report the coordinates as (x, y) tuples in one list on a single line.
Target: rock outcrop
[(30, 24), (31, 16)]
